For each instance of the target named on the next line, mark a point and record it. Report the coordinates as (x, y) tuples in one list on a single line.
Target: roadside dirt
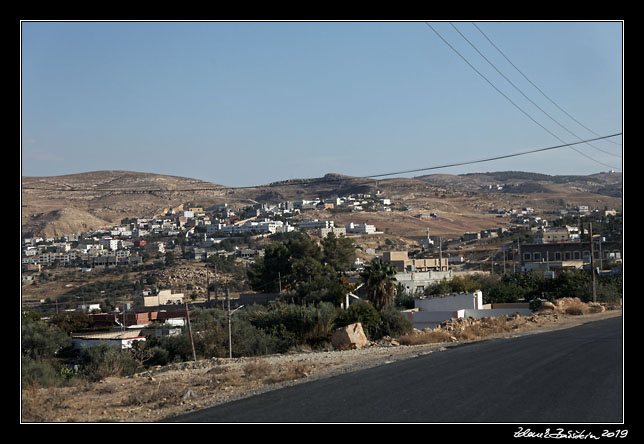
[(180, 388)]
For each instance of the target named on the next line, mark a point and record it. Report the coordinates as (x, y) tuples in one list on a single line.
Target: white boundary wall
[(451, 302)]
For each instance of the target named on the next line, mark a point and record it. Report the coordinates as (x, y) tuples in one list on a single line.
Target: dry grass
[(289, 372), (478, 329), (267, 373), (257, 369), (158, 394), (472, 332), (38, 404), (576, 309), (429, 337)]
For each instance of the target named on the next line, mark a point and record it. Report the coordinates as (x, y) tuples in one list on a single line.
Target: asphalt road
[(566, 376)]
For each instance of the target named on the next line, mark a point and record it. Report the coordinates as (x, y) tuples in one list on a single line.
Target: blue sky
[(247, 103)]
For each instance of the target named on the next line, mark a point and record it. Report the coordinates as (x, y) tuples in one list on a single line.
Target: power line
[(324, 179), (496, 157), (536, 87), (523, 94), (509, 99)]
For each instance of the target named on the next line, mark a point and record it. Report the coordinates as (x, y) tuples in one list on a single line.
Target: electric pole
[(192, 342), (592, 262), (230, 335), (504, 260), (208, 284)]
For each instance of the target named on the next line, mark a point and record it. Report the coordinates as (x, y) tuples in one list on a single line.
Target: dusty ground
[(179, 388)]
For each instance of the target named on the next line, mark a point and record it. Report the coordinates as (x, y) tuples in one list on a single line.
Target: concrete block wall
[(495, 312), (429, 319), (451, 302)]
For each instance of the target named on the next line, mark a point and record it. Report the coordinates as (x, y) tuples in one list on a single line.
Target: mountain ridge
[(103, 198)]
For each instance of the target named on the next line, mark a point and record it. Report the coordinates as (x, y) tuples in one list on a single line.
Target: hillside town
[(203, 230), (146, 285), (547, 243)]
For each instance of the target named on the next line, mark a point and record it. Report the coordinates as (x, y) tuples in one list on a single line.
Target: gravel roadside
[(180, 388)]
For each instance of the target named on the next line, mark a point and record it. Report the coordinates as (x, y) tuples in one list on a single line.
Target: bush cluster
[(528, 286), (49, 360)]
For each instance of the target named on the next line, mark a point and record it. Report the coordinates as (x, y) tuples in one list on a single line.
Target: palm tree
[(379, 278)]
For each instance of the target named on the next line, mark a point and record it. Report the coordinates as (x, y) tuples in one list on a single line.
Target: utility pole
[(192, 342), (592, 262), (504, 260), (208, 284), (492, 264), (514, 261), (547, 260), (279, 277), (230, 335)]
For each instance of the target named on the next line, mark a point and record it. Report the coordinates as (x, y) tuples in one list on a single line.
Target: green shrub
[(40, 340), (178, 347), (535, 304), (294, 324), (393, 323), (363, 312), (404, 300), (158, 356), (42, 373), (104, 360)]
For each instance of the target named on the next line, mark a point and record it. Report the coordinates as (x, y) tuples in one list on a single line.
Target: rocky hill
[(52, 206)]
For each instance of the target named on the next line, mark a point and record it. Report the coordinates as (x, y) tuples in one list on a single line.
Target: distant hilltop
[(55, 205)]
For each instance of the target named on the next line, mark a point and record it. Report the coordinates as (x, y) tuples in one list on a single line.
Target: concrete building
[(338, 231), (565, 254), (360, 229), (429, 312), (164, 297), (401, 261), (312, 224), (415, 282), (554, 235), (109, 243)]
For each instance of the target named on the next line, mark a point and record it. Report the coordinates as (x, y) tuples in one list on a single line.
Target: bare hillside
[(57, 205), (79, 202)]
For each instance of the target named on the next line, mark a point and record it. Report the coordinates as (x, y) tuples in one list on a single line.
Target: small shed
[(122, 338)]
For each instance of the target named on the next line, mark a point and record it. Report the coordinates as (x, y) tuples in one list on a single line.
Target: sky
[(248, 103)]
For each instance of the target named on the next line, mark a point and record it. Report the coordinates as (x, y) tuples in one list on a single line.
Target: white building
[(418, 281), (312, 224), (429, 312), (360, 229), (109, 243), (267, 226), (163, 297), (337, 231)]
